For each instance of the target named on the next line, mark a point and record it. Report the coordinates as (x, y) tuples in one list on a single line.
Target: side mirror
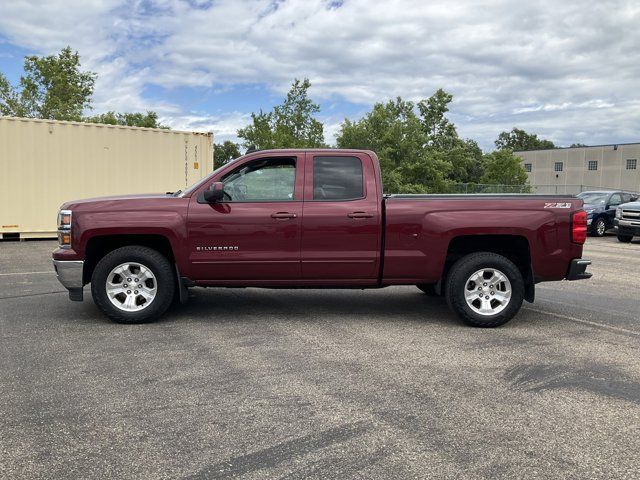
[(633, 199), (214, 193)]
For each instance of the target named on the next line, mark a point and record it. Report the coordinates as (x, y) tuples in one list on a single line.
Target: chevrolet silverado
[(316, 219)]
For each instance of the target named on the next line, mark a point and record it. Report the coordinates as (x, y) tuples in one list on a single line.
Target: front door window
[(269, 180)]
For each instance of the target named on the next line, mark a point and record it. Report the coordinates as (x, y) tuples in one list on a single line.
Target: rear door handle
[(283, 215), (359, 215)]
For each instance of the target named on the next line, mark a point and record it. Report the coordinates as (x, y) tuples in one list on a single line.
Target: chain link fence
[(471, 188)]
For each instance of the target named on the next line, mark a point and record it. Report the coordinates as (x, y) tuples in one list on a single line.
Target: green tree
[(577, 145), (289, 125), (9, 99), (225, 152), (395, 133), (147, 120), (504, 168), (467, 162), (441, 133), (518, 140), (464, 156), (52, 87)]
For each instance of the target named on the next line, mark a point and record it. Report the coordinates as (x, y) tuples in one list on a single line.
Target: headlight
[(618, 213), (589, 210), (64, 228)]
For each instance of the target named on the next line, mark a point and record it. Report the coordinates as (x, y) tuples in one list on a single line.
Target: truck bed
[(421, 230)]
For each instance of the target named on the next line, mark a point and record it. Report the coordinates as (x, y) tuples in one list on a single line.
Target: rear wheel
[(484, 289), (599, 227), (133, 284), (625, 238)]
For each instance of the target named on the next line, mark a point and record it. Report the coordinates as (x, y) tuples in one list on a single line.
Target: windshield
[(189, 190), (593, 198)]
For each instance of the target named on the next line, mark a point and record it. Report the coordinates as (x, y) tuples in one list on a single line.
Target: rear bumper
[(577, 269), (70, 275)]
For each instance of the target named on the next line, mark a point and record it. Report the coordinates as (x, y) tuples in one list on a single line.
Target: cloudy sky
[(569, 71)]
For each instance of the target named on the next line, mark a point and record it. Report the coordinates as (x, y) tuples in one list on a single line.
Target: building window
[(527, 167), (592, 165), (557, 167), (632, 163)]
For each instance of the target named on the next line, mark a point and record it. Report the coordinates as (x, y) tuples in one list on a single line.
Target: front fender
[(168, 224)]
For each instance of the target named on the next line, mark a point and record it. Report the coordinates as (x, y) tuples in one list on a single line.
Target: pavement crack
[(32, 295)]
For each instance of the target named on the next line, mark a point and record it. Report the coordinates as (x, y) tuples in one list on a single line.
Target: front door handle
[(283, 215), (359, 215)]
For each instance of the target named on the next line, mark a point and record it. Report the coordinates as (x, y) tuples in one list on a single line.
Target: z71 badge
[(557, 205)]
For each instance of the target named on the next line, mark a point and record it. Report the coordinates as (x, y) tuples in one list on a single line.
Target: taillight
[(579, 227)]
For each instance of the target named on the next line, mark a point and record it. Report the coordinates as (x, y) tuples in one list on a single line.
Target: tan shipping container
[(44, 163)]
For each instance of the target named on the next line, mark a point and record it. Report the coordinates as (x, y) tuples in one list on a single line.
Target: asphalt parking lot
[(297, 384)]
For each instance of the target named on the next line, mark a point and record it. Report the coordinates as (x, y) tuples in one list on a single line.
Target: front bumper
[(577, 269), (627, 227), (70, 275)]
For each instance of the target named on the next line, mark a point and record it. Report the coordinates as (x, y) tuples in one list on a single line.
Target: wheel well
[(98, 247), (514, 247)]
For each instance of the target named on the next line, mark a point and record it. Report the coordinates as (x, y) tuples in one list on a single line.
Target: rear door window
[(337, 178)]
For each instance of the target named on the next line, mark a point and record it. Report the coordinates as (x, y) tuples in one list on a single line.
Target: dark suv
[(600, 206)]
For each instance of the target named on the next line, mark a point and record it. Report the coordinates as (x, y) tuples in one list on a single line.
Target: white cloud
[(560, 69), (224, 127)]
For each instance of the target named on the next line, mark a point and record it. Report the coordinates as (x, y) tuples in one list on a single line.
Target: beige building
[(572, 170)]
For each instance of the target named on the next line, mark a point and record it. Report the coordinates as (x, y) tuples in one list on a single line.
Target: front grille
[(631, 214)]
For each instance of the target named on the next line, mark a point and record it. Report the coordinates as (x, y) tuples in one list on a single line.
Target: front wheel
[(484, 289), (625, 238), (133, 284), (599, 227)]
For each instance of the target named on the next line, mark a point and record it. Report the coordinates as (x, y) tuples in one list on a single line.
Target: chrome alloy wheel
[(131, 287), (488, 291), (601, 227)]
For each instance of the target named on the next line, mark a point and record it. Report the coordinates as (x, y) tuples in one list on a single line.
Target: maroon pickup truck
[(316, 218)]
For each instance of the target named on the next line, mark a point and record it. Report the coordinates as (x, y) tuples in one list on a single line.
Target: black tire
[(153, 260), (625, 238), (456, 285), (429, 289), (599, 227)]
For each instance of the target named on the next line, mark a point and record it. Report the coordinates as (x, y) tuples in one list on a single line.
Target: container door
[(341, 227), (254, 232)]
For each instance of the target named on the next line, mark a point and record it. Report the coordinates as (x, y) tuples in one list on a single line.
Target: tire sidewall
[(457, 280), (151, 259)]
